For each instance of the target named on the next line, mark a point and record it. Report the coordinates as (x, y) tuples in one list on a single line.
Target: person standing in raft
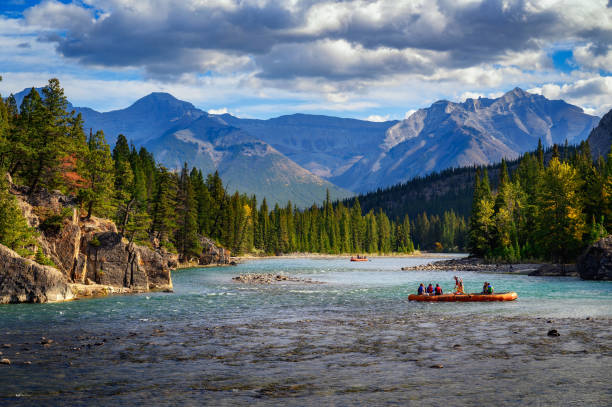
[(459, 285), (438, 289), (421, 290)]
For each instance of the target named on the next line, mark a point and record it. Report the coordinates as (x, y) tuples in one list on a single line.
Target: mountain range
[(300, 156)]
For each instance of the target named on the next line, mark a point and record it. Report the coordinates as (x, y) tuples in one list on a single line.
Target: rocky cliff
[(596, 262), (85, 252)]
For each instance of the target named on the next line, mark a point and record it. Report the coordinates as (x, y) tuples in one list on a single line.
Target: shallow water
[(352, 340)]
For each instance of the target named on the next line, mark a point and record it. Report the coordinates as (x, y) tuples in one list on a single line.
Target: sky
[(375, 60)]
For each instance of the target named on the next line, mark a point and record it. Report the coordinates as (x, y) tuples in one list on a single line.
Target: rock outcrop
[(159, 266), (112, 261), (555, 270), (86, 252), (23, 280), (213, 254), (596, 262)]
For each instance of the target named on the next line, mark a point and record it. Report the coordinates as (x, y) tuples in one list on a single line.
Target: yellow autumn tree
[(560, 219)]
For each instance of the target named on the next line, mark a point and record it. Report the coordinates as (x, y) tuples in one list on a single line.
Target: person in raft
[(487, 288), (459, 285), (430, 289), (421, 290), (438, 290)]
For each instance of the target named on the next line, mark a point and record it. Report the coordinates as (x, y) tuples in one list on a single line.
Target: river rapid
[(353, 340)]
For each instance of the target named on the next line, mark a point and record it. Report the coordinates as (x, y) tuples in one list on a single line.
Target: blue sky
[(375, 60)]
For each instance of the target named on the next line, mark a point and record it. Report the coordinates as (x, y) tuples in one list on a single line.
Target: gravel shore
[(475, 264)]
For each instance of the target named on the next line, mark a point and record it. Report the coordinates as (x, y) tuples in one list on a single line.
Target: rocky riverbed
[(271, 278), (339, 359), (474, 264)]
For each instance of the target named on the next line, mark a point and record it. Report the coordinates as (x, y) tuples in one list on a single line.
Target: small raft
[(359, 259), (511, 296)]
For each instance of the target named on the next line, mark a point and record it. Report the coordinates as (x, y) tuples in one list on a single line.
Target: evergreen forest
[(42, 145), (546, 206), (544, 210)]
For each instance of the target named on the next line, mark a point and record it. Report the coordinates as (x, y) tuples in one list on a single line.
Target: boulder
[(213, 254), (112, 261), (158, 266), (596, 262), (23, 280)]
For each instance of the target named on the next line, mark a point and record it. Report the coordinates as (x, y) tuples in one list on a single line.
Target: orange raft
[(359, 259), (511, 296)]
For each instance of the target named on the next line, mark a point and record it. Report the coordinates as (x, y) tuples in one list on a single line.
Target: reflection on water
[(353, 340)]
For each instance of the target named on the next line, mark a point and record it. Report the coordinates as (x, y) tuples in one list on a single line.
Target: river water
[(354, 339)]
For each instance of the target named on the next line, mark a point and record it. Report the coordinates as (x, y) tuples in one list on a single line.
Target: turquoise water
[(216, 341)]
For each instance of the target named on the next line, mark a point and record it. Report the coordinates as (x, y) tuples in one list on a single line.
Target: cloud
[(594, 94), (223, 110), (263, 57), (378, 118), (308, 38)]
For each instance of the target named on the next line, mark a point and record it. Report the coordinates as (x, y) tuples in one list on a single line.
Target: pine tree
[(186, 235), (481, 219), (99, 176), (15, 233), (384, 232), (54, 135), (403, 241), (163, 208), (125, 198), (357, 227), (371, 235)]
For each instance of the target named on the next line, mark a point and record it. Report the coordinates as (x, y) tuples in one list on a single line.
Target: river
[(352, 340)]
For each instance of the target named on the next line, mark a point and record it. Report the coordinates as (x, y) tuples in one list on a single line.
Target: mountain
[(146, 119), (177, 132), (245, 163), (354, 155), (326, 146), (600, 139), (477, 131)]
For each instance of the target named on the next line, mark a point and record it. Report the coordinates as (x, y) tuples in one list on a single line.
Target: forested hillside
[(42, 145), (549, 211)]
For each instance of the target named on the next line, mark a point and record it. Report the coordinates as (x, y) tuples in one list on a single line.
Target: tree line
[(549, 211), (43, 145)]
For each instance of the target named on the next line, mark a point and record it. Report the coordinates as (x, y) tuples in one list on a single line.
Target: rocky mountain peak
[(161, 100), (600, 138)]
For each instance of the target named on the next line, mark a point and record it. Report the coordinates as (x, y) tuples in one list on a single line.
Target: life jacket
[(438, 290), (421, 289), (430, 289), (490, 289)]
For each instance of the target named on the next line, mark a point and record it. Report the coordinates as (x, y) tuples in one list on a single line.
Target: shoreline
[(428, 255), (473, 264)]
